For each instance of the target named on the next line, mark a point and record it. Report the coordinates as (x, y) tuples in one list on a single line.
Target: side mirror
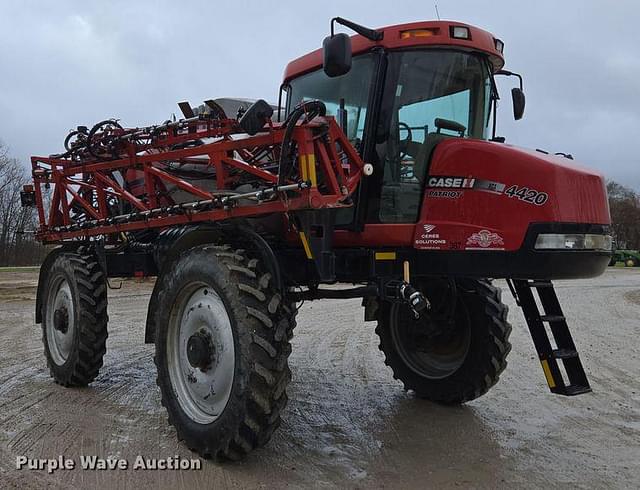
[(517, 95), (336, 51)]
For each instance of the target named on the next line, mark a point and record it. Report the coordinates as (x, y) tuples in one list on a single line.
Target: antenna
[(435, 4)]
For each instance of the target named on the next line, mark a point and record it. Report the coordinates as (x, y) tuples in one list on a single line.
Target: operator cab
[(396, 104)]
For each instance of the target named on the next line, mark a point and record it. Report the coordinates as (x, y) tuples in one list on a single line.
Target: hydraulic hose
[(308, 109)]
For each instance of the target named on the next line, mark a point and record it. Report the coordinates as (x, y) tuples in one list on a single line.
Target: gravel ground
[(348, 423)]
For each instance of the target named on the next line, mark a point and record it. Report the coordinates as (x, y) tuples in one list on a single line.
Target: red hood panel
[(484, 195)]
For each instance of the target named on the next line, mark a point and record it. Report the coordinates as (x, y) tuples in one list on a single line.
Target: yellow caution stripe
[(385, 256), (303, 167), (547, 373), (305, 244), (311, 163), (308, 168)]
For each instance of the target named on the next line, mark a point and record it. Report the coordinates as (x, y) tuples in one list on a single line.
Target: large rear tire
[(74, 318), (453, 353), (222, 344)]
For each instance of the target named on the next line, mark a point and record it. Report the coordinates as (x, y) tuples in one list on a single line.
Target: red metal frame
[(327, 171)]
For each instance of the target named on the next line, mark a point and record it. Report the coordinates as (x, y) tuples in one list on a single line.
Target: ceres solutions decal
[(429, 240)]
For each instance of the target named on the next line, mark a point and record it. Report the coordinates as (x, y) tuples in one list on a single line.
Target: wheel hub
[(61, 319), (430, 328), (434, 348), (200, 350)]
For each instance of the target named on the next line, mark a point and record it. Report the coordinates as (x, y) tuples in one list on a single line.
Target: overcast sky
[(67, 63)]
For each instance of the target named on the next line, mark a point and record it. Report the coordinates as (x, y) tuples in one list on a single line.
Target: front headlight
[(573, 241)]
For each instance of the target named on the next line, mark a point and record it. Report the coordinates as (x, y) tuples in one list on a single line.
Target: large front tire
[(448, 363), (74, 318), (222, 344)]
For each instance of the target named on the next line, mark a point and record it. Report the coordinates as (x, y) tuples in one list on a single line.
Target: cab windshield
[(427, 85)]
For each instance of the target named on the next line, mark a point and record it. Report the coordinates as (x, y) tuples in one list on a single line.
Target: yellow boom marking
[(303, 167), (308, 168), (311, 164)]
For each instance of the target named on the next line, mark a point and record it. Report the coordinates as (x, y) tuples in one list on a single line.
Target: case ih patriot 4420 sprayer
[(380, 173)]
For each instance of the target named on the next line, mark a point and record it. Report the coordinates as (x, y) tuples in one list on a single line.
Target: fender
[(170, 244)]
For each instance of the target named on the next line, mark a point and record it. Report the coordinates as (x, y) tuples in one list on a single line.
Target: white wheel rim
[(60, 320), (203, 389)]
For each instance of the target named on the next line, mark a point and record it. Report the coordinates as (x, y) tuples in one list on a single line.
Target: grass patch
[(31, 268)]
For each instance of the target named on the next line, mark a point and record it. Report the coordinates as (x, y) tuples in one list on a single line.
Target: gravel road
[(348, 423)]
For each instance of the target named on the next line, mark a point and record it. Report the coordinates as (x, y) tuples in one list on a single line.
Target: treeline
[(17, 244), (624, 205)]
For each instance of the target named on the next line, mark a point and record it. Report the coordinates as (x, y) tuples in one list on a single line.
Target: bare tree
[(16, 248), (624, 204)]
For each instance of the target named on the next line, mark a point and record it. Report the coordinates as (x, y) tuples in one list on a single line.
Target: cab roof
[(425, 33)]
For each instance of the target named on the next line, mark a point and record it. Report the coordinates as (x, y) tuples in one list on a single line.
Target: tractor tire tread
[(486, 371), (268, 375), (87, 356)]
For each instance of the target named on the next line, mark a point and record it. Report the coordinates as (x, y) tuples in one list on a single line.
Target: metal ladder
[(565, 350)]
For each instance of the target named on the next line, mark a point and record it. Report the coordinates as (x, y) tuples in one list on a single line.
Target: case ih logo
[(485, 239), (450, 182), (453, 182)]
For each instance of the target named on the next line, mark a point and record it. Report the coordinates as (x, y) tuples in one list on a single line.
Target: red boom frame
[(327, 171)]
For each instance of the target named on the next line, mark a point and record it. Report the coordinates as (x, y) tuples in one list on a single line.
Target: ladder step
[(573, 390), (552, 318), (540, 284), (572, 380), (565, 354)]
